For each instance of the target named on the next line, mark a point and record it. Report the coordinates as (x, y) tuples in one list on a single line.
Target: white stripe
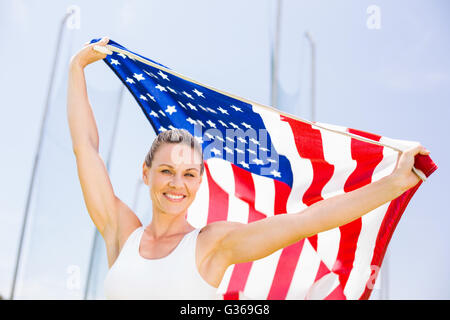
[(305, 273), (361, 271), (238, 210), (260, 278), (336, 151), (222, 173), (371, 223), (223, 286), (197, 214), (264, 194), (284, 143), (323, 287)]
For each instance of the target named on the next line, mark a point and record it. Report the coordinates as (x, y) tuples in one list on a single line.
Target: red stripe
[(285, 271), (289, 258), (218, 200), (323, 270), (367, 157), (231, 296), (309, 146), (336, 294), (282, 191), (244, 190), (239, 277)]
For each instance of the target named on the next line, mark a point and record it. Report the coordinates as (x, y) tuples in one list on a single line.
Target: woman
[(169, 258)]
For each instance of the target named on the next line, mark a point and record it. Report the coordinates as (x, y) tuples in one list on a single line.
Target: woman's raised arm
[(248, 242), (98, 193)]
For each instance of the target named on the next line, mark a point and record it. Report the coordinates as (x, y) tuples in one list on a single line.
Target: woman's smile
[(174, 197)]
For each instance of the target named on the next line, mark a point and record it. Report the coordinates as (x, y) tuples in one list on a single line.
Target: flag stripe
[(285, 271), (367, 157), (218, 199)]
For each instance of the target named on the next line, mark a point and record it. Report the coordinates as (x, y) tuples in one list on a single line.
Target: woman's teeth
[(173, 197)]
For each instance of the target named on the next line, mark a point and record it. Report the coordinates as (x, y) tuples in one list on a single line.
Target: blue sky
[(392, 81)]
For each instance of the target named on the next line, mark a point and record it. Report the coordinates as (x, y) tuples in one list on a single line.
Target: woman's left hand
[(403, 173)]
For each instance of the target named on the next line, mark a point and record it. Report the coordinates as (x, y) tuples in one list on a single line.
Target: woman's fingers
[(417, 149)]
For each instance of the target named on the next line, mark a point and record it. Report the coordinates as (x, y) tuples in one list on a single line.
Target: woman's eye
[(165, 171), (189, 174)]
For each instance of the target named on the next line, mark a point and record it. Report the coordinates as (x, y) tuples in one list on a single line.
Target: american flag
[(260, 162)]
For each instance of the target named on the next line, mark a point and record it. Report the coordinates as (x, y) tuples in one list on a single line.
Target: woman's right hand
[(88, 55)]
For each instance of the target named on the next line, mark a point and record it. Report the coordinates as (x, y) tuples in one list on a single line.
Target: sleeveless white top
[(174, 277)]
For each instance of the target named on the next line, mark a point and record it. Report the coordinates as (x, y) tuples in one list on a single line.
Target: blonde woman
[(169, 258)]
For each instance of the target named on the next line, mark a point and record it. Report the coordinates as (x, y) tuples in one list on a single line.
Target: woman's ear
[(145, 172)]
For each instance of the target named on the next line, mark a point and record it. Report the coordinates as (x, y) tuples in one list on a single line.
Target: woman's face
[(174, 178)]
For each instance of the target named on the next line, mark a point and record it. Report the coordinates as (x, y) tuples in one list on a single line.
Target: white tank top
[(174, 277)]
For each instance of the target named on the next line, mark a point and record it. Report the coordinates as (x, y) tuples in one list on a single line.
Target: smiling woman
[(169, 258)]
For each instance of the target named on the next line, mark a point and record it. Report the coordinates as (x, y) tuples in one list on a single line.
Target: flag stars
[(129, 80), (275, 173), (222, 110), (187, 95), (246, 125), (163, 75), (203, 108), (162, 112), (115, 62), (122, 55), (242, 140), (216, 151), (151, 97), (170, 110), (138, 77), (234, 125), (161, 129), (199, 139), (199, 93), (211, 110), (142, 97), (211, 124), (245, 165), (191, 121), (228, 150), (160, 88), (182, 105), (258, 161), (223, 123), (236, 108), (154, 114), (172, 90), (254, 141), (151, 74), (190, 105)]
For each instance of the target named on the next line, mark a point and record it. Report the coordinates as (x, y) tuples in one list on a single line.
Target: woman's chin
[(174, 209)]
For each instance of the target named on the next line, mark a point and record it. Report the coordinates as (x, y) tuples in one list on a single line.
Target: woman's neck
[(163, 224)]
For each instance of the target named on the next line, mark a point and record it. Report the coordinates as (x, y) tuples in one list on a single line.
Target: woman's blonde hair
[(174, 136)]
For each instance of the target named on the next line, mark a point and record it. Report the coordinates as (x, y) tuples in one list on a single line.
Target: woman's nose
[(176, 181)]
